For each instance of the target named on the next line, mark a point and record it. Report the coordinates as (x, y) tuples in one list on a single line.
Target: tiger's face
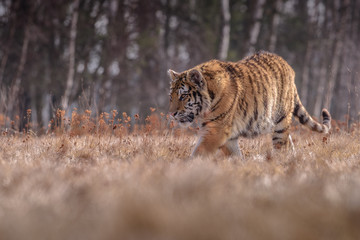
[(187, 96)]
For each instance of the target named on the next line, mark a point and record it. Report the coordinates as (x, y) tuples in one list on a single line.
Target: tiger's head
[(189, 97)]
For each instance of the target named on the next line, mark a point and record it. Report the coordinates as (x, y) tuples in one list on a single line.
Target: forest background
[(107, 54)]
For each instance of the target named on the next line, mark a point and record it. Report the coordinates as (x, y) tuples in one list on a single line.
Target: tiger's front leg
[(206, 146), (210, 141), (232, 148)]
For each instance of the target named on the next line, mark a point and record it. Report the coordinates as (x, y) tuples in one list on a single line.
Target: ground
[(143, 185)]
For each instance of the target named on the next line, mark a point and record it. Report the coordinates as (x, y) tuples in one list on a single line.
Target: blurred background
[(107, 54)]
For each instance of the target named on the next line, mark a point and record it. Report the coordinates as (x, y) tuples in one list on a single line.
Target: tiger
[(256, 95)]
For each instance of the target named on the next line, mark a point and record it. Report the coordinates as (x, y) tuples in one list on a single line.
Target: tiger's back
[(254, 96)]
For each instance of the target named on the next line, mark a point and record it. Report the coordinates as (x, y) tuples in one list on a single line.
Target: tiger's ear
[(196, 77), (173, 75)]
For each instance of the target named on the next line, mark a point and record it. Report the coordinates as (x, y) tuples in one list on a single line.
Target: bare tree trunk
[(225, 31), (335, 63), (322, 81), (305, 74), (167, 26), (107, 95), (18, 77), (33, 106), (355, 102), (355, 81), (71, 72), (338, 48), (346, 89), (324, 54), (255, 28), (274, 24), (6, 54), (46, 98), (12, 21)]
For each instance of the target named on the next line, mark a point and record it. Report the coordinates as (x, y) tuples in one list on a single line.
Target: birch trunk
[(255, 28), (46, 98), (322, 82), (355, 84), (225, 31), (335, 63), (305, 74), (274, 25), (71, 71), (355, 107), (324, 55), (338, 48), (167, 26)]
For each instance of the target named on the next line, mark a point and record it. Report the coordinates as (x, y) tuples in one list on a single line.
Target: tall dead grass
[(110, 178)]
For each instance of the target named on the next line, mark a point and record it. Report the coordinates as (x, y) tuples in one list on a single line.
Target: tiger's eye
[(182, 97)]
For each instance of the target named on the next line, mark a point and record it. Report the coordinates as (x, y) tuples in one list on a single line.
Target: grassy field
[(86, 179)]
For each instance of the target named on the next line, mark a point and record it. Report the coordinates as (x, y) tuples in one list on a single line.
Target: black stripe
[(281, 130), (250, 77), (325, 116), (212, 95), (241, 134), (265, 98), (243, 104), (255, 108), (216, 105), (249, 124), (281, 78), (280, 119), (200, 97), (296, 109), (245, 108), (260, 62), (208, 75), (263, 77), (257, 81), (303, 119), (222, 115), (232, 72), (239, 71), (270, 65)]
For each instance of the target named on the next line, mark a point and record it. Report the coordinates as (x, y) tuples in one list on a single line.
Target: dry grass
[(80, 184)]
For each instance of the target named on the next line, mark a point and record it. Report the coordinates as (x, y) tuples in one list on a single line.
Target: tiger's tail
[(304, 117)]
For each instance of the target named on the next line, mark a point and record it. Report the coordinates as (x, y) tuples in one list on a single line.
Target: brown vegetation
[(106, 179)]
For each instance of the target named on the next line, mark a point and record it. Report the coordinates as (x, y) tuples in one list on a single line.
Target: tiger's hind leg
[(281, 138)]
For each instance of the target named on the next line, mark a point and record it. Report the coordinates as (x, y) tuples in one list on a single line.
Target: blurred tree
[(277, 6), (71, 71), (105, 54), (255, 25), (225, 30)]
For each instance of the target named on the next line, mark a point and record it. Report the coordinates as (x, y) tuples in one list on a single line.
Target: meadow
[(111, 177)]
